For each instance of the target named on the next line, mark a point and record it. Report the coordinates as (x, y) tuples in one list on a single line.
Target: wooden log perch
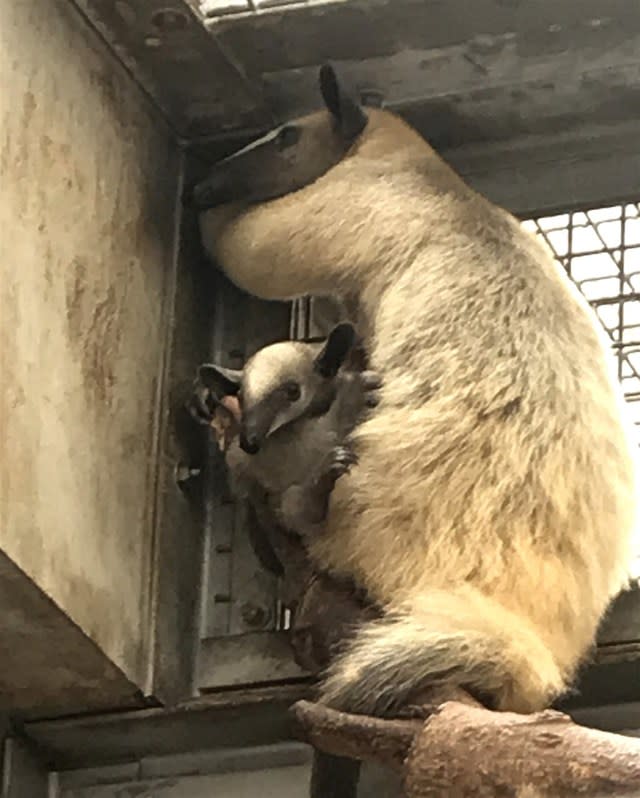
[(387, 742), (466, 751)]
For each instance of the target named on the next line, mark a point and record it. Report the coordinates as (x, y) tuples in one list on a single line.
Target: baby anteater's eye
[(292, 391)]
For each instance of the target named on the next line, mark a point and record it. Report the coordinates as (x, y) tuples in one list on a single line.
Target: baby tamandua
[(283, 423)]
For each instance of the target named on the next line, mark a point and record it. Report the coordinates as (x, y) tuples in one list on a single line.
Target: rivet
[(255, 616), (371, 98), (168, 20), (183, 473)]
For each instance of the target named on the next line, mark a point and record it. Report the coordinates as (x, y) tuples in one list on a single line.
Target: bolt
[(167, 20), (184, 473), (222, 598), (254, 615), (371, 98)]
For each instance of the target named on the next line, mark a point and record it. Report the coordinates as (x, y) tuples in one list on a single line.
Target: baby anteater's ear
[(335, 350), (219, 380)]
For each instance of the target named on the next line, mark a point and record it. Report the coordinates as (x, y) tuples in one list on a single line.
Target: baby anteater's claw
[(198, 404), (342, 458)]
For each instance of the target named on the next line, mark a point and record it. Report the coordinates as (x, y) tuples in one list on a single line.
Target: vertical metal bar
[(569, 258), (621, 280)]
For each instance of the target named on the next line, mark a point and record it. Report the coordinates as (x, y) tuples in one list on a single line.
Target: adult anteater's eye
[(292, 391), (288, 136)]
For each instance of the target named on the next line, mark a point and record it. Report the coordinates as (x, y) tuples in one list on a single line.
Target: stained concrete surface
[(89, 185)]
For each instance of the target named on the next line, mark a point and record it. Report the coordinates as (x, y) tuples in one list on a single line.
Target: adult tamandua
[(494, 502)]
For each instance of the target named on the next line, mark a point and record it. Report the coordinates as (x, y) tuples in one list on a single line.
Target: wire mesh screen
[(600, 249)]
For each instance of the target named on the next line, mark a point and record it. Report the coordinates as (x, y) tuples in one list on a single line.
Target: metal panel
[(47, 664), (188, 75), (234, 578), (246, 659), (180, 769), (23, 774), (238, 595), (622, 718), (231, 719), (462, 73), (607, 682), (622, 624), (289, 782), (90, 172), (492, 72), (179, 517), (241, 612), (554, 173)]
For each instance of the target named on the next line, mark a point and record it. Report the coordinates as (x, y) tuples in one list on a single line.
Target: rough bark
[(466, 751)]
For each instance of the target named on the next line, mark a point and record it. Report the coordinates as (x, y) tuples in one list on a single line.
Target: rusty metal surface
[(462, 73), (246, 659), (622, 623), (165, 46), (491, 71), (239, 597), (180, 525), (277, 782), (534, 103), (47, 664), (23, 773), (89, 177), (230, 720)]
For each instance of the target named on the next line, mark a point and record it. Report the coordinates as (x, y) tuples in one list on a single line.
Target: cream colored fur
[(495, 498)]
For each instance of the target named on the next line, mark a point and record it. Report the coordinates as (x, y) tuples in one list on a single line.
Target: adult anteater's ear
[(219, 380), (336, 348), (349, 115)]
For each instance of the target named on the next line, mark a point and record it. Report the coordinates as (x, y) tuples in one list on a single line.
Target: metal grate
[(224, 8), (600, 249)]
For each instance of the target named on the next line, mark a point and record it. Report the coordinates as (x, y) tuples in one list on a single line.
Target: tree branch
[(356, 736), (466, 751)]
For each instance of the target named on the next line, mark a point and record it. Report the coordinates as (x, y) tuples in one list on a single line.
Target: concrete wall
[(89, 178)]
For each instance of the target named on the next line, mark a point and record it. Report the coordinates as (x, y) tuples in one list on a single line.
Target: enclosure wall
[(89, 175)]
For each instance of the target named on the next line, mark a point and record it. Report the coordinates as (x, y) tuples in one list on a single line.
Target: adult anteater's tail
[(460, 639)]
